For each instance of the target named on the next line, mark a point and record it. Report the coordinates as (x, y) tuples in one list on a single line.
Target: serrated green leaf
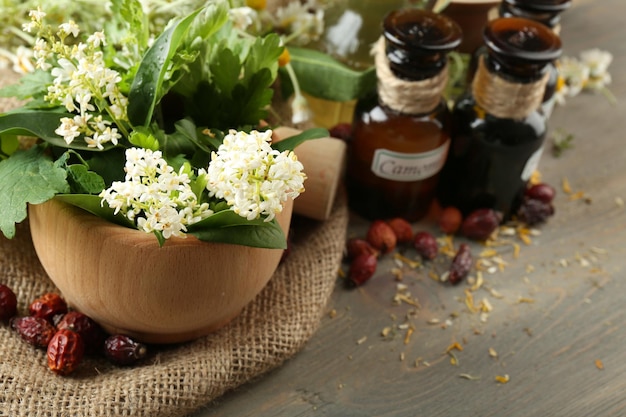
[(291, 142), (29, 85), (28, 177), (146, 88), (225, 71), (251, 100), (322, 76), (263, 53)]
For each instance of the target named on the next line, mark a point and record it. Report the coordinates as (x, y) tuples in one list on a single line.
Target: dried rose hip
[(356, 247), (35, 330), (534, 211), (362, 268), (123, 350), (90, 332), (481, 223), (8, 303), (341, 131), (461, 264), (65, 352), (426, 245), (542, 192), (47, 306), (402, 229), (381, 236), (450, 220)]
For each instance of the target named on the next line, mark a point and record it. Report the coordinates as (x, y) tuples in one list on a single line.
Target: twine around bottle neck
[(404, 96), (506, 99)]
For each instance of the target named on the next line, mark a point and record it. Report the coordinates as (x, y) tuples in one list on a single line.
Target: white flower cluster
[(252, 177), (155, 197), (590, 72), (82, 83), (304, 21)]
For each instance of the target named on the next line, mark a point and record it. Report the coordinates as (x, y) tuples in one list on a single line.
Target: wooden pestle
[(323, 160)]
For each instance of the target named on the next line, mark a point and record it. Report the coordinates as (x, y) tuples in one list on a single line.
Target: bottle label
[(406, 167), (531, 164)]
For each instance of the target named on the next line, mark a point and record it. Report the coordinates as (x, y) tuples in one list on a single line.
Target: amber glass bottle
[(401, 134), (498, 127)]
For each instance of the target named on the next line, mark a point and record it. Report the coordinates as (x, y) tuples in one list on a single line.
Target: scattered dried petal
[(599, 364), (503, 379)]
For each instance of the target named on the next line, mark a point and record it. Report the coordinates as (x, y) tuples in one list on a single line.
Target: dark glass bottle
[(498, 127), (402, 133), (549, 13)]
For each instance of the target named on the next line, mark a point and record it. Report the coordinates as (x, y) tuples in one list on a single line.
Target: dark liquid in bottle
[(488, 162)]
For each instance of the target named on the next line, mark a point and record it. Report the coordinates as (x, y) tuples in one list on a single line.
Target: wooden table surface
[(556, 328)]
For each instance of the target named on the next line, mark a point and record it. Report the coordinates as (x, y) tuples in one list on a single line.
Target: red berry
[(461, 264), (450, 220), (541, 192), (47, 306), (8, 303), (481, 223), (90, 332), (362, 268), (534, 211), (426, 245), (123, 350), (36, 331), (341, 131), (381, 236), (65, 352), (402, 229), (356, 247)]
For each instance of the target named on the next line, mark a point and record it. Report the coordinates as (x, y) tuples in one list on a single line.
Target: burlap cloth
[(179, 379)]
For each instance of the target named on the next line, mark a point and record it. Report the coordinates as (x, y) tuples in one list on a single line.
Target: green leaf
[(270, 236), (83, 181), (225, 71), (142, 137), (322, 76), (29, 85), (109, 165), (41, 124), (264, 53), (146, 88), (95, 205), (226, 226), (8, 145), (135, 23), (27, 177), (210, 19), (291, 142)]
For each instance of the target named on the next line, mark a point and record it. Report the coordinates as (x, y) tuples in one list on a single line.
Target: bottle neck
[(506, 97), (546, 17), (408, 96)]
